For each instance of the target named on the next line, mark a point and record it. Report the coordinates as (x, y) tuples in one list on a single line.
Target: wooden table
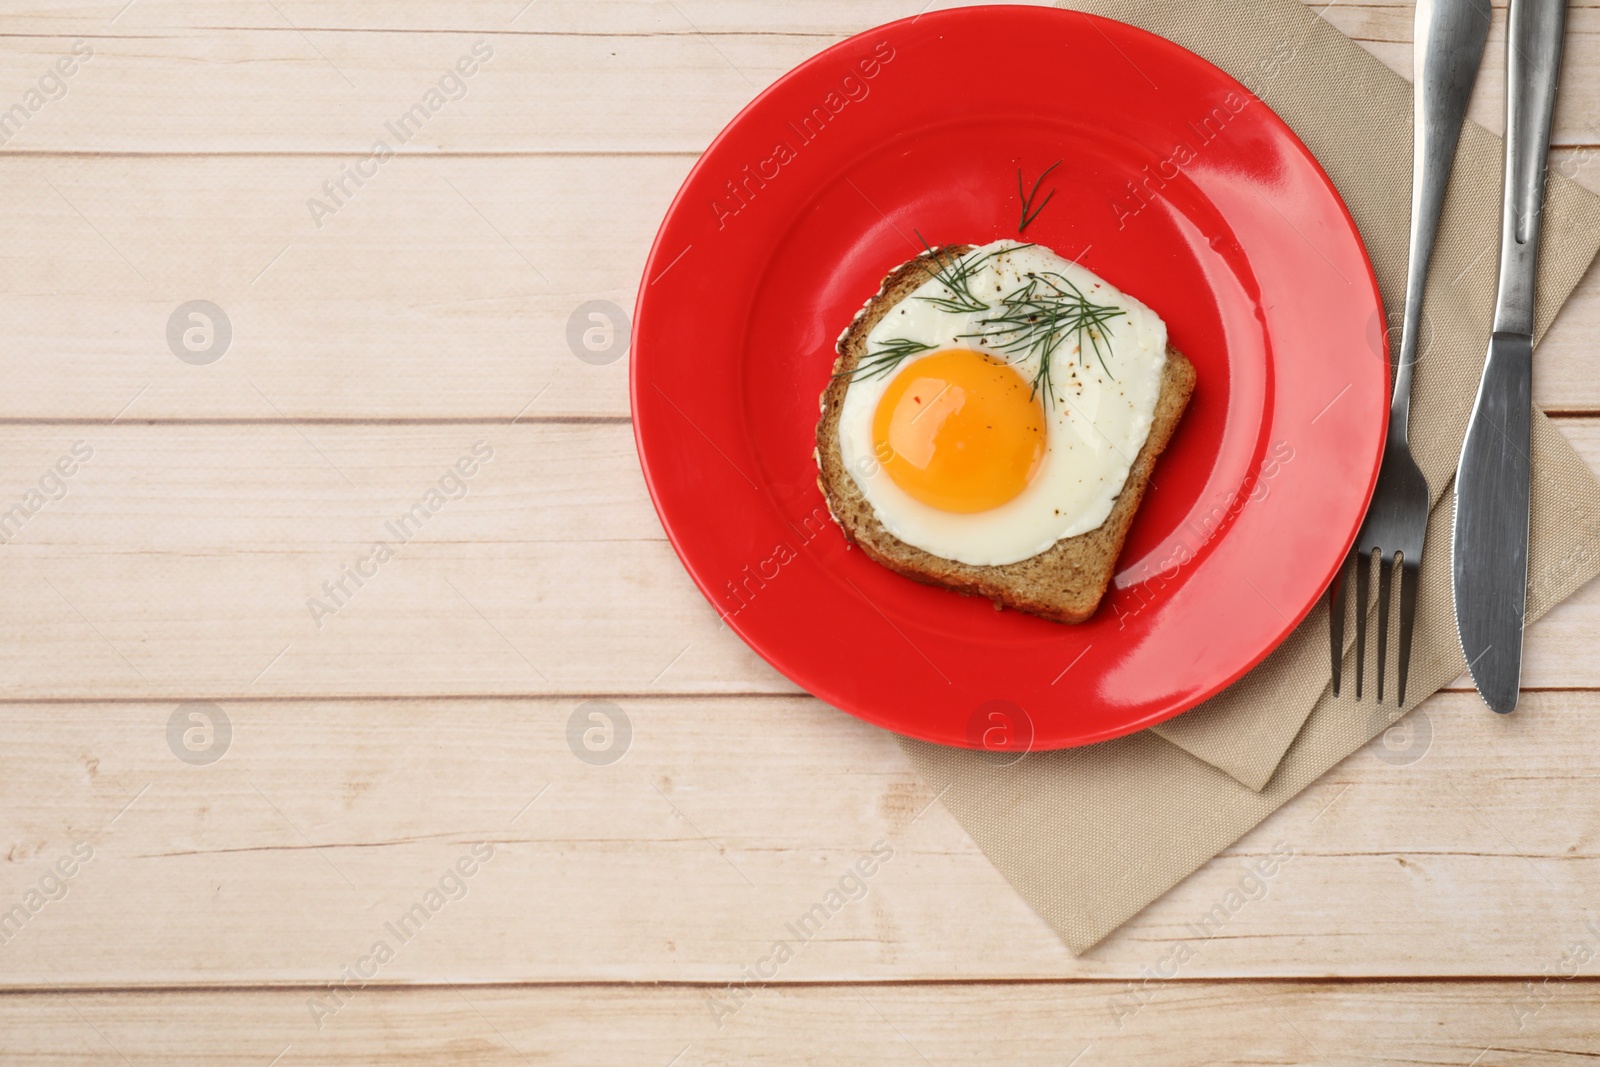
[(407, 763)]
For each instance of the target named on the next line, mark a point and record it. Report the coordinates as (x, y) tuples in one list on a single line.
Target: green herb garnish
[(1028, 212), (956, 277), (1039, 316), (895, 350)]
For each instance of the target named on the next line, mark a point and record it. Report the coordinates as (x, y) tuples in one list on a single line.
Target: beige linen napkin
[(1090, 836)]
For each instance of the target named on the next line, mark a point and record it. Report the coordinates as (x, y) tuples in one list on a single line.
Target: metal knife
[(1490, 551)]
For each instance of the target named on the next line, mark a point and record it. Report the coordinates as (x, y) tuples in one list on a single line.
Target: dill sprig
[(956, 276), (1039, 316), (893, 352), (1028, 212)]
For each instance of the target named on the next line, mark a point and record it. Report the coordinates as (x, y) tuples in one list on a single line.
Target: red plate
[(1176, 185)]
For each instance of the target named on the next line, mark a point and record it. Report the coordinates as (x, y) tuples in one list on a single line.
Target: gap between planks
[(441, 153), (413, 698), (507, 153), (812, 35), (449, 985), (1561, 414), (543, 695), (331, 420)]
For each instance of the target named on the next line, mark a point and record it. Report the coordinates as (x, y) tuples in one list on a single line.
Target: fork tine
[(1336, 623), (1363, 584), (1385, 576), (1410, 571)]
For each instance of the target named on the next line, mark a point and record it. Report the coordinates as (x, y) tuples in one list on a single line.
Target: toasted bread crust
[(1064, 583)]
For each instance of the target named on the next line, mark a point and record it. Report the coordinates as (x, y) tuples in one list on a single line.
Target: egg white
[(1094, 429)]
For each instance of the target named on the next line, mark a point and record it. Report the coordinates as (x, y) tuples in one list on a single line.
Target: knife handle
[(1533, 65)]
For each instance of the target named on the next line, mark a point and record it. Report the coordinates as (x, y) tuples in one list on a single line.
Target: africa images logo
[(752, 178)]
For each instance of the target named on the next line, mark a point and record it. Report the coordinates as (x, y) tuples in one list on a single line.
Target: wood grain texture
[(444, 286), (443, 289), (1438, 893), (717, 830), (565, 76), (1051, 1024), (213, 561)]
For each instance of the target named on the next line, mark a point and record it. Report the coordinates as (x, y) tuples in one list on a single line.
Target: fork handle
[(1450, 36), (1533, 66)]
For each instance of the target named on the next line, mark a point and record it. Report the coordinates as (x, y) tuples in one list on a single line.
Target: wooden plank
[(562, 77), (212, 560), (209, 561), (186, 76), (721, 825), (549, 17), (1402, 1023), (444, 290)]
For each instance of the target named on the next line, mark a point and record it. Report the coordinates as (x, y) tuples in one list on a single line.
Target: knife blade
[(1490, 554), (1489, 564)]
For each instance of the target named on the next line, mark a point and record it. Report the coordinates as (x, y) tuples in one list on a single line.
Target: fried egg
[(999, 407)]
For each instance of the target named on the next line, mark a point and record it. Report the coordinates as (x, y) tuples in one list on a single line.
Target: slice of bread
[(1065, 582)]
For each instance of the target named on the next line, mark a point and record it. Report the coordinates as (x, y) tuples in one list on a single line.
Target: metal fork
[(1450, 36)]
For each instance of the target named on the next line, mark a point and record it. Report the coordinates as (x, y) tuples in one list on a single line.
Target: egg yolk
[(959, 431)]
